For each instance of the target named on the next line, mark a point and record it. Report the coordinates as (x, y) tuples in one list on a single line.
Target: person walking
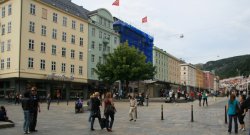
[(242, 112), (35, 108), (204, 97), (17, 98), (95, 110), (199, 97), (132, 109), (89, 103), (48, 101), (109, 111), (232, 113), (26, 105)]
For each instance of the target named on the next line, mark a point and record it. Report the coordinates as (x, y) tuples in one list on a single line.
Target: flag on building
[(145, 19), (116, 3)]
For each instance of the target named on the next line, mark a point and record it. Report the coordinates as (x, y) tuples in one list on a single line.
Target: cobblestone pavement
[(61, 120)]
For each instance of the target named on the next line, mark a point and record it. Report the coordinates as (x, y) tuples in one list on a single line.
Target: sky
[(212, 29)]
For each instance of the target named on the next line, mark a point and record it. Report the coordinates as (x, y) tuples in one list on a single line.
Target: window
[(81, 28), (32, 9), (115, 40), (72, 69), (2, 64), (93, 45), (65, 21), (100, 59), (100, 47), (2, 47), (108, 49), (53, 51), (8, 63), (63, 52), (3, 12), (54, 31), (80, 70), (55, 17), (73, 24), (53, 66), (80, 55), (3, 29), (100, 20), (9, 27), (30, 62), (72, 54), (92, 71), (32, 27), (42, 64), (44, 13), (81, 41), (63, 67), (43, 31), (43, 47), (92, 58), (93, 32), (9, 9), (73, 40), (8, 45), (64, 36), (100, 34), (31, 44)]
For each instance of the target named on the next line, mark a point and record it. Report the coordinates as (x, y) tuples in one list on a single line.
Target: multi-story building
[(160, 61), (209, 80), (102, 40), (135, 37), (188, 76), (199, 79), (174, 74), (43, 43)]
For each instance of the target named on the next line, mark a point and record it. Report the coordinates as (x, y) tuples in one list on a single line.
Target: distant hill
[(229, 67)]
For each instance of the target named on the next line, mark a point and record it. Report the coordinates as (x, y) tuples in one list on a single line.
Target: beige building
[(188, 76), (44, 43), (174, 74), (199, 79)]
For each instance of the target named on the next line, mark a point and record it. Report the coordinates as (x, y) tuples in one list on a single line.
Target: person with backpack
[(242, 112), (95, 110), (232, 109), (204, 97), (109, 111)]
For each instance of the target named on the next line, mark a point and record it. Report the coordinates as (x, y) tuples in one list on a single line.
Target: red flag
[(145, 19), (116, 3)]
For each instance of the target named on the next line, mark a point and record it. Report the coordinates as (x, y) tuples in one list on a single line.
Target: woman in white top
[(132, 109)]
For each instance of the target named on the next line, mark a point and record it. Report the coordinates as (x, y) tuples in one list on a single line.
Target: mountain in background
[(229, 67)]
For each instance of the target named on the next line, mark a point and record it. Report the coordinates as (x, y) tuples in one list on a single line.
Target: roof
[(69, 7)]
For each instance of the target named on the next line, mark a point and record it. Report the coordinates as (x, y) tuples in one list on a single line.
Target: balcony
[(106, 40)]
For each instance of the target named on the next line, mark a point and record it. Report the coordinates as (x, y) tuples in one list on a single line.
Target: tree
[(125, 64)]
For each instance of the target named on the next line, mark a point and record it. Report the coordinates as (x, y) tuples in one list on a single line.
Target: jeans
[(33, 120), (205, 100), (26, 123), (231, 117), (109, 124), (132, 112), (93, 119)]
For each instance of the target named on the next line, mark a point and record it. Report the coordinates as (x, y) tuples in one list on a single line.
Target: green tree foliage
[(230, 67), (125, 64)]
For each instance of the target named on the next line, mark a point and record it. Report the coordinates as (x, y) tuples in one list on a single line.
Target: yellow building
[(199, 79), (44, 43)]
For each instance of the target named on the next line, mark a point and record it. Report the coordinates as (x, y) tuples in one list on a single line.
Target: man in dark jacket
[(35, 108), (95, 110), (26, 105)]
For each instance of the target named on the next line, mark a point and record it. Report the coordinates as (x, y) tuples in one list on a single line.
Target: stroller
[(79, 106)]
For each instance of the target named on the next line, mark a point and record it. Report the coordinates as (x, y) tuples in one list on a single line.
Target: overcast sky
[(213, 29)]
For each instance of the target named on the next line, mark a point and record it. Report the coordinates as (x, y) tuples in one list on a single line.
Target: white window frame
[(43, 47)]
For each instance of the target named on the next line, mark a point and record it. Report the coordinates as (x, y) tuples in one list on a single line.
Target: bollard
[(192, 113), (162, 112), (147, 100), (67, 102), (225, 114)]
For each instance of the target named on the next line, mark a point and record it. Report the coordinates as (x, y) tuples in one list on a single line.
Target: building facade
[(209, 80), (199, 79), (174, 74), (135, 37), (43, 43), (102, 40), (188, 76), (160, 61)]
